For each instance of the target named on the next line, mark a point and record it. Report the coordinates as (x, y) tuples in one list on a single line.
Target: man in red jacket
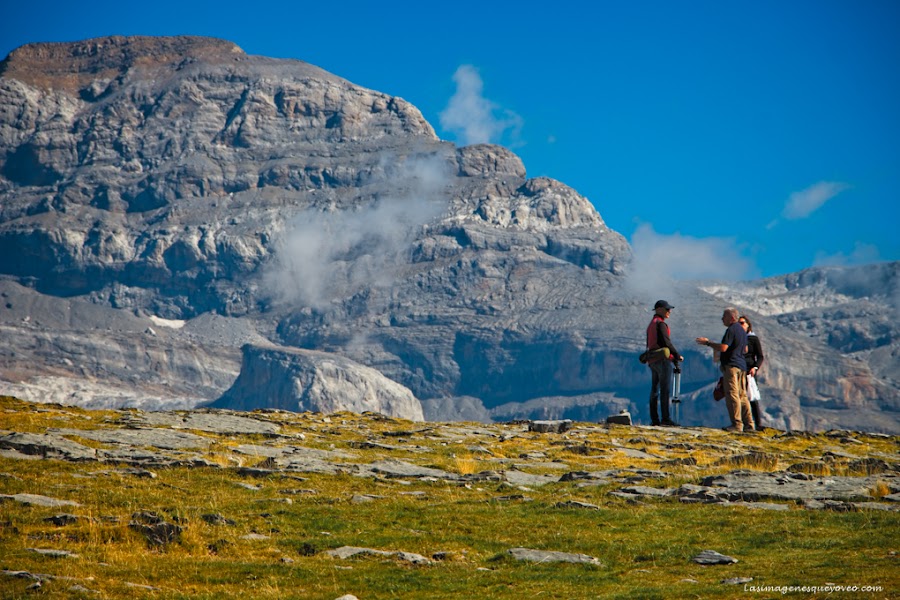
[(660, 364)]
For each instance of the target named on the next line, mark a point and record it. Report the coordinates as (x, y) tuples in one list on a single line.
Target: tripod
[(676, 391)]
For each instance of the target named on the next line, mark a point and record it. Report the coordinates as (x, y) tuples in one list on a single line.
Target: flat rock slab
[(549, 556), (576, 504), (399, 468), (517, 478), (752, 486), (222, 422), (711, 557), (154, 437), (38, 500), (53, 552), (642, 490), (288, 453), (737, 580), (46, 445), (345, 552)]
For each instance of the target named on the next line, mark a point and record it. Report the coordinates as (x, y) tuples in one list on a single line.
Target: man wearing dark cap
[(660, 364)]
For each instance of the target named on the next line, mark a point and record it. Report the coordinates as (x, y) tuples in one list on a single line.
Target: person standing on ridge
[(754, 358), (661, 363), (734, 370)]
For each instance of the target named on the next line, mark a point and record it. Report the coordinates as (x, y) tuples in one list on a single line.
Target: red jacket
[(658, 337)]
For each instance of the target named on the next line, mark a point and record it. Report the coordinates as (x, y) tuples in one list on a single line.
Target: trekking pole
[(676, 391)]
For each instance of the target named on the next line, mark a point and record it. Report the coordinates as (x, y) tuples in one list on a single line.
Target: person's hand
[(702, 341)]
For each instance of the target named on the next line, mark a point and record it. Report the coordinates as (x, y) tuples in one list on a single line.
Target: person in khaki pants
[(734, 370)]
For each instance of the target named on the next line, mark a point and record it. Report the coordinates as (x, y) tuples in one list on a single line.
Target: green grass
[(646, 549)]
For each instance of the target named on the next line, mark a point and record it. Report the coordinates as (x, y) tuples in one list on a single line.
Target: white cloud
[(804, 203), (861, 254), (473, 118), (331, 255), (660, 258)]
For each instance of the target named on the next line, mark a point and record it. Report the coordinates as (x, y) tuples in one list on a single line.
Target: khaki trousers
[(736, 401)]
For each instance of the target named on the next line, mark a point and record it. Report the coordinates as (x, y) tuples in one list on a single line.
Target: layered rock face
[(305, 380), (219, 199)]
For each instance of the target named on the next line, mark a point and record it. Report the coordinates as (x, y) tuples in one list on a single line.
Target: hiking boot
[(734, 428), (669, 423)]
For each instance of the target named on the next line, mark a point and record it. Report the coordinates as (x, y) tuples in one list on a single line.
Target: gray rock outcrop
[(305, 380)]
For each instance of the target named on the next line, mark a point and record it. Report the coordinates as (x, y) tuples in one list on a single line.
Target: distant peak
[(68, 65)]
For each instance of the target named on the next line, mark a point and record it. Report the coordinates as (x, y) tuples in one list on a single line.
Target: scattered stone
[(37, 500), (512, 498), (398, 468), (345, 552), (365, 498), (141, 586), (597, 476), (737, 580), (27, 575), (254, 472), (155, 530), (711, 557), (153, 437), (549, 556), (216, 519), (62, 519), (761, 505), (876, 506), (688, 461), (520, 478), (255, 537), (754, 485), (210, 420), (373, 446), (576, 504), (47, 446), (53, 552), (550, 426), (837, 453), (534, 455), (623, 418), (640, 490)]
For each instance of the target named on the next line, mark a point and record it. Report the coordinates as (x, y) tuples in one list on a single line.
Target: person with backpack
[(662, 355), (754, 357), (734, 370)]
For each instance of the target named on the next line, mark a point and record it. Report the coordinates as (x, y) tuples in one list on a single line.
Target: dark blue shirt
[(736, 340)]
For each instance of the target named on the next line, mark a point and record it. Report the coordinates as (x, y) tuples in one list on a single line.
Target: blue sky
[(729, 139)]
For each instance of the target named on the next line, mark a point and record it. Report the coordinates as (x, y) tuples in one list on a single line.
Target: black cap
[(663, 304)]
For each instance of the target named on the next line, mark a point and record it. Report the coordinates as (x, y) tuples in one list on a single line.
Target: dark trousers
[(659, 389), (757, 418)]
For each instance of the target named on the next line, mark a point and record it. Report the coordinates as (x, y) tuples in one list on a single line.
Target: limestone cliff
[(216, 199)]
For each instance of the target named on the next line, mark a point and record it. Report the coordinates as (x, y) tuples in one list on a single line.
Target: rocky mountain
[(182, 224)]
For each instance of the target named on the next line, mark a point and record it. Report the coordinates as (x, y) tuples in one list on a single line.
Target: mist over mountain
[(183, 224)]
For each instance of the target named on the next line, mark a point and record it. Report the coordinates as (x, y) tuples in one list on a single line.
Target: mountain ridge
[(266, 201)]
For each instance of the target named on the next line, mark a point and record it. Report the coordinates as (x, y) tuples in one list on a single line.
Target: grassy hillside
[(240, 524)]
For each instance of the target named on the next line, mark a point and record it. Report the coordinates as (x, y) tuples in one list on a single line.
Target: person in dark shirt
[(661, 364), (754, 357), (734, 370)]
